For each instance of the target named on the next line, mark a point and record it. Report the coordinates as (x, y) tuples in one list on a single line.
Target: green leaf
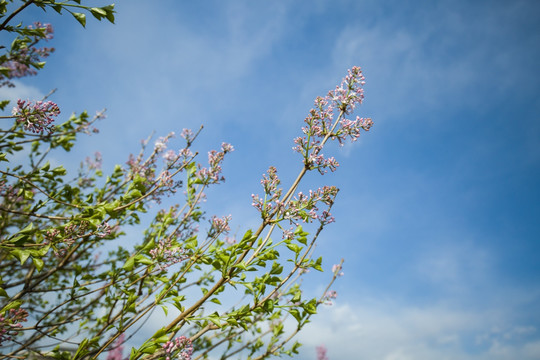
[(22, 255), (3, 157), (38, 263), (268, 306), (3, 104), (216, 301), (98, 11), (12, 305), (214, 318), (295, 248), (129, 264), (29, 229), (296, 314), (310, 307), (143, 260), (276, 269), (81, 18), (57, 8), (317, 265), (28, 195)]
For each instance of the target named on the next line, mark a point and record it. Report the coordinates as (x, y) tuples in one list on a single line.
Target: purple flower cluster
[(95, 163), (10, 323), (188, 135), (25, 55), (36, 117), (336, 270), (321, 126), (220, 225), (117, 353), (212, 174), (327, 299), (321, 352), (11, 194), (302, 207), (181, 347), (166, 253)]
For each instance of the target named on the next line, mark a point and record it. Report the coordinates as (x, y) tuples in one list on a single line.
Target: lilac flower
[(212, 174), (180, 347), (94, 164), (36, 117), (170, 156), (24, 56), (118, 349), (327, 299), (220, 225), (104, 230), (321, 352), (187, 134), (225, 147), (336, 269), (320, 121), (161, 143), (166, 253), (10, 323)]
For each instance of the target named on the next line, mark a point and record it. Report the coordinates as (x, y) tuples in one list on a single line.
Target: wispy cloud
[(369, 329)]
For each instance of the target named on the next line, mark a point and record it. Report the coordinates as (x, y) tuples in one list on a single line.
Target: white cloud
[(20, 91), (369, 329)]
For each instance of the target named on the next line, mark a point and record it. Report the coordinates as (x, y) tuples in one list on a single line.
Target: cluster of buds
[(219, 225), (10, 194), (36, 117), (181, 347), (166, 253), (104, 230), (212, 174), (188, 135), (302, 207), (336, 270), (321, 352), (24, 56), (320, 124), (327, 299), (10, 323), (117, 353), (272, 194), (95, 163), (63, 238), (161, 143)]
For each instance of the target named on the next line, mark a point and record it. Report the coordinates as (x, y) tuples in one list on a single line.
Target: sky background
[(438, 217)]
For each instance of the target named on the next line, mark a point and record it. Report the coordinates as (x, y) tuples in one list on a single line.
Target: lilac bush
[(59, 286)]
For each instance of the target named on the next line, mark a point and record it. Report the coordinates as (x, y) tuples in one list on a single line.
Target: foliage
[(56, 291)]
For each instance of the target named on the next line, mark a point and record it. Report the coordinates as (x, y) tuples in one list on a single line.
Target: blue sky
[(438, 217)]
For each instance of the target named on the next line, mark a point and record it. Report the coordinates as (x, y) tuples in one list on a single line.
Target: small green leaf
[(143, 260), (3, 104), (214, 318), (216, 301), (310, 307), (98, 11), (22, 255), (129, 264), (12, 305), (81, 18), (38, 263)]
